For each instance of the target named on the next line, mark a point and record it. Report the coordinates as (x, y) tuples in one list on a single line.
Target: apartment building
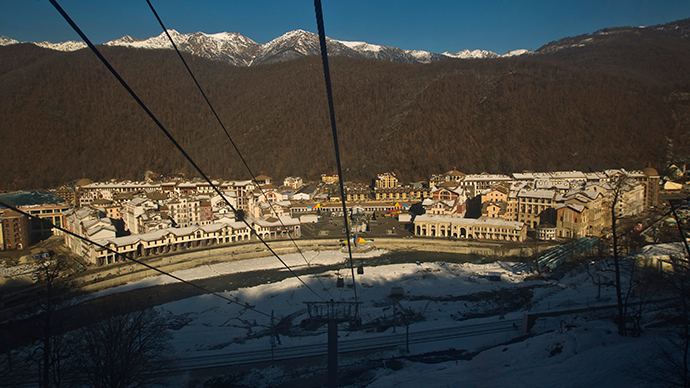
[(536, 207)]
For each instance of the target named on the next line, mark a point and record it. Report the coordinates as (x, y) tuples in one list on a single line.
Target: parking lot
[(334, 227)]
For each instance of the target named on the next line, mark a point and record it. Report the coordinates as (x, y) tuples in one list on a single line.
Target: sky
[(435, 26)]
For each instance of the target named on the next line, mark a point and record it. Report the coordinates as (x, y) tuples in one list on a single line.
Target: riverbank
[(102, 278)]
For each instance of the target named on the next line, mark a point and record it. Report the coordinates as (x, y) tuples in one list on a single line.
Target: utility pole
[(333, 313), (273, 337)]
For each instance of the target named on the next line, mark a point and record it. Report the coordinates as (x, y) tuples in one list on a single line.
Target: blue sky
[(435, 26)]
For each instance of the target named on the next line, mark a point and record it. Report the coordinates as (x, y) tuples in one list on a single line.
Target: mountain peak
[(5, 41), (294, 36)]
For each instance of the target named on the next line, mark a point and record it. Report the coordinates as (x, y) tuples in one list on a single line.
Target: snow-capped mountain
[(229, 47), (5, 41), (301, 43), (70, 45), (239, 50), (466, 54)]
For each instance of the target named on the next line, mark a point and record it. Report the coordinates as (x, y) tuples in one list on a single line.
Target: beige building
[(386, 180), (495, 209), (475, 183), (293, 182), (512, 207), (329, 178), (482, 228), (498, 193), (451, 176), (535, 206), (185, 211), (357, 192), (401, 194), (650, 180), (165, 241)]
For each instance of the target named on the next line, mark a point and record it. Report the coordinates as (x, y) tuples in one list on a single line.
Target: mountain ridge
[(239, 50)]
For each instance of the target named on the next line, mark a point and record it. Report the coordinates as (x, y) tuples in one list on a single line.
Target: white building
[(132, 210), (184, 211), (86, 222), (293, 182)]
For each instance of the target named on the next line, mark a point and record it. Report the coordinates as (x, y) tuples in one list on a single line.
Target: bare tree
[(617, 189), (51, 309), (35, 349), (123, 350), (669, 364)]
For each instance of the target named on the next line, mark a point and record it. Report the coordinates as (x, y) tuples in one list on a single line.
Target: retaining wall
[(118, 274)]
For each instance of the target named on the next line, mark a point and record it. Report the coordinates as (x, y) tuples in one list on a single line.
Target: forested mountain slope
[(617, 102)]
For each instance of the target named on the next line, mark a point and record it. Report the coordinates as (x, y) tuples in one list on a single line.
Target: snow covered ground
[(574, 350)]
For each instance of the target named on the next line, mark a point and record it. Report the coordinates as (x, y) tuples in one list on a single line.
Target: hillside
[(618, 102)]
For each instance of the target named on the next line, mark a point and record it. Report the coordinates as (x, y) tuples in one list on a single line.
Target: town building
[(571, 221), (386, 180), (329, 178), (68, 194), (536, 207), (88, 223), (132, 210), (650, 180), (306, 193), (15, 230), (357, 192), (293, 182), (498, 193), (39, 204), (263, 179), (185, 211), (428, 225), (546, 232), (594, 217), (495, 209), (165, 241), (475, 183), (451, 176), (106, 190)]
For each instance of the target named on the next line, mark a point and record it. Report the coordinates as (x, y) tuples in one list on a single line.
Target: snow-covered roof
[(177, 232), (523, 175), (595, 176), (427, 202), (528, 193), (569, 175), (577, 208), (122, 185), (487, 177), (517, 186), (548, 183)]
